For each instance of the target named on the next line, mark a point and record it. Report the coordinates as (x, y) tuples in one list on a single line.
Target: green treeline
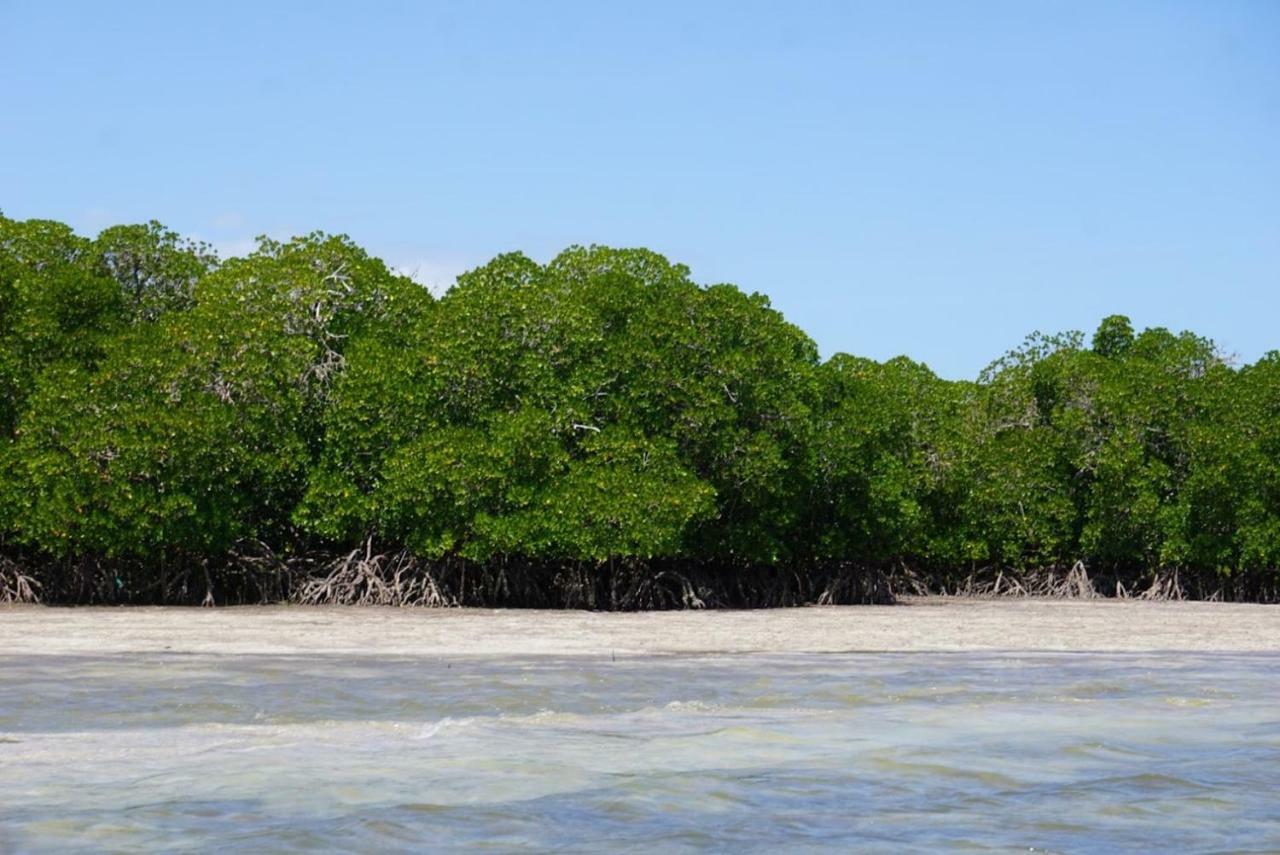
[(303, 422)]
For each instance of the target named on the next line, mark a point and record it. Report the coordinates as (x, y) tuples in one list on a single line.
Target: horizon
[(917, 180)]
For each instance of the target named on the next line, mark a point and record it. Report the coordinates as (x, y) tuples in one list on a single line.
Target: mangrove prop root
[(1077, 582), (366, 577), (374, 576), (16, 586)]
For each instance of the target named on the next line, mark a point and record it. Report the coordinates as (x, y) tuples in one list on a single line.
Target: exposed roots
[(17, 586), (1055, 583), (1077, 582), (253, 572), (1164, 586), (366, 577)]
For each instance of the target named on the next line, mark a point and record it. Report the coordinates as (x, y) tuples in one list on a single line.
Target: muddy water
[(869, 752)]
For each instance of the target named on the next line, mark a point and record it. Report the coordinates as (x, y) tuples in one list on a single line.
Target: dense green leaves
[(193, 429), (54, 307), (601, 406), (158, 405), (155, 269)]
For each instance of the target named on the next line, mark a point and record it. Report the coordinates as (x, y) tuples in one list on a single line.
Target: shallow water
[(870, 752)]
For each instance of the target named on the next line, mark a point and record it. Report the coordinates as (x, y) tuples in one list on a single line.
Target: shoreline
[(918, 624)]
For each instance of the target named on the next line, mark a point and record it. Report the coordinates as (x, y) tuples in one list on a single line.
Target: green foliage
[(881, 456), (1118, 456), (54, 307), (1114, 336), (160, 406), (514, 415), (155, 269), (196, 430)]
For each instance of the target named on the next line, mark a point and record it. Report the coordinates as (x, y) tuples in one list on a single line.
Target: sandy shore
[(916, 625)]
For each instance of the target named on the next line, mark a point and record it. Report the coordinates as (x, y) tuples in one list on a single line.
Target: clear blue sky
[(935, 179)]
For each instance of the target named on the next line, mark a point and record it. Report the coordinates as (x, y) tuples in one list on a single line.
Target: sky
[(935, 179)]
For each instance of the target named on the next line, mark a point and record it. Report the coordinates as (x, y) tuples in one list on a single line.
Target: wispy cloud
[(437, 273), (234, 235), (228, 221), (234, 247)]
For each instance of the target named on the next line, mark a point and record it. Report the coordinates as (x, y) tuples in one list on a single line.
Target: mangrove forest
[(303, 424)]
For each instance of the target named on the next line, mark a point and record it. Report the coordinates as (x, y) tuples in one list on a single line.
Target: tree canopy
[(162, 408)]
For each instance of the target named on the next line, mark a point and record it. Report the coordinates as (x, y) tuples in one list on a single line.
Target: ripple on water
[(881, 752)]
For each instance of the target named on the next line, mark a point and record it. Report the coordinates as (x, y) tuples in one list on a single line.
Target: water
[(868, 752)]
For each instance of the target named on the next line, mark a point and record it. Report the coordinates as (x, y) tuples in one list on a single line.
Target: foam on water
[(876, 752)]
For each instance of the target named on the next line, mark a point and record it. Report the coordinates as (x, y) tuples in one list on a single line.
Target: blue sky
[(931, 178)]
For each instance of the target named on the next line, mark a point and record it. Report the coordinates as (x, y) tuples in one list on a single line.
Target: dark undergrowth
[(372, 577)]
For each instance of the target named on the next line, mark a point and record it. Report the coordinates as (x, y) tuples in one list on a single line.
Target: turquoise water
[(866, 752)]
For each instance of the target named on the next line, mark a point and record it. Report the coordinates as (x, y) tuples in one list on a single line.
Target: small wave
[(433, 728), (690, 706), (927, 769), (1102, 750), (1140, 784)]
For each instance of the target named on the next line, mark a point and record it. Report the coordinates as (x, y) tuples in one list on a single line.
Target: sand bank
[(926, 624)]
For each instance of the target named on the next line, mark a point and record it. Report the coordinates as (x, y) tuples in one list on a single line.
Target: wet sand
[(919, 624)]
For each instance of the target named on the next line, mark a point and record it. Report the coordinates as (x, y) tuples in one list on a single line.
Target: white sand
[(925, 624)]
